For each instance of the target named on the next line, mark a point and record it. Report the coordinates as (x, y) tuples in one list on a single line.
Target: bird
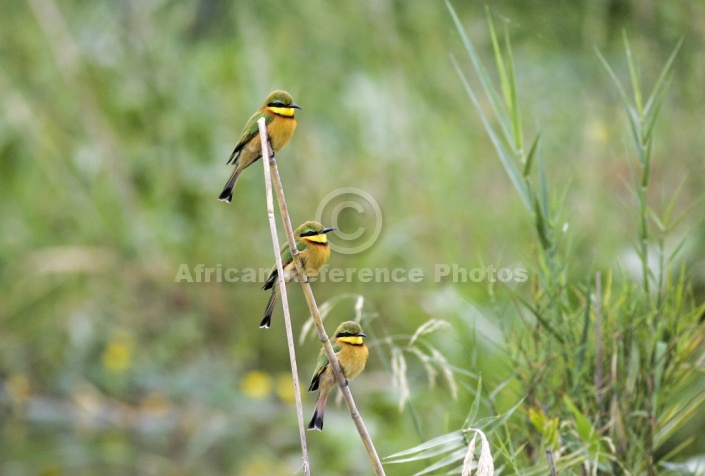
[(352, 355), (312, 243), (278, 111)]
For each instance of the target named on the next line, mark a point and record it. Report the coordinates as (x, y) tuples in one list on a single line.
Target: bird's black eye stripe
[(276, 104), (310, 233), (343, 334)]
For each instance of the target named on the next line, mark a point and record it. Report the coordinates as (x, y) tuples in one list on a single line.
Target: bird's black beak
[(361, 334), (327, 230), (294, 105)]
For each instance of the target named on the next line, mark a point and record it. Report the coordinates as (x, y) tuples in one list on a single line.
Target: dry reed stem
[(271, 164), (284, 299)]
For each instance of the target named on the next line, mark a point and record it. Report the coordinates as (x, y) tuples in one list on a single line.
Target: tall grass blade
[(484, 77), (634, 75), (506, 159), (530, 157), (438, 445)]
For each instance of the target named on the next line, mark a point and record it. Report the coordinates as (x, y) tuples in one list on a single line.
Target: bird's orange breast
[(280, 131), (352, 359), (315, 256)]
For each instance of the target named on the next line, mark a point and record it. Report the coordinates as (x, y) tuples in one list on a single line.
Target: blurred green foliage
[(118, 118)]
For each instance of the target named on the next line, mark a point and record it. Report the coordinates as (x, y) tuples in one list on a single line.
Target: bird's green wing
[(286, 251), (248, 133), (286, 255), (321, 366), (272, 278), (287, 258), (300, 245)]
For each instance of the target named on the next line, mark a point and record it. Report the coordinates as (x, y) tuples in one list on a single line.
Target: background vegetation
[(118, 119)]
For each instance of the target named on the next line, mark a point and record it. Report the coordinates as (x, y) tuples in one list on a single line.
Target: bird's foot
[(271, 148)]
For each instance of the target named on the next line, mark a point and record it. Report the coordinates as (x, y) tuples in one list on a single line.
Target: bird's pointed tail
[(316, 422), (227, 194), (267, 319)]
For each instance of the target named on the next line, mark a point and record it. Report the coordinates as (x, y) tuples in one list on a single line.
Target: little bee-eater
[(352, 356), (278, 112), (312, 243)]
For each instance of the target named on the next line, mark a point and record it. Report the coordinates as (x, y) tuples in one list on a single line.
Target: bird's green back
[(286, 256), (323, 361), (251, 128), (286, 251)]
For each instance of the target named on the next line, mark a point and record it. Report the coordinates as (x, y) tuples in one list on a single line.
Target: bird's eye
[(276, 104)]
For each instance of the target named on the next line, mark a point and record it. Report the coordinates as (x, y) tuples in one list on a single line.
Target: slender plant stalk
[(598, 342), (272, 171), (551, 465), (284, 299)]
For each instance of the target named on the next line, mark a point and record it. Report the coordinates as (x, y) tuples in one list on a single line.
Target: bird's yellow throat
[(317, 238), (354, 340), (282, 111)]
